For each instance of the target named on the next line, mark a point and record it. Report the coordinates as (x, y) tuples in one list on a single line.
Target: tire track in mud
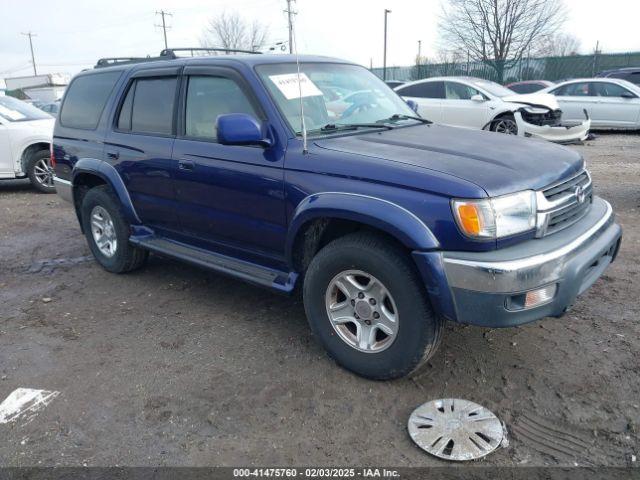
[(559, 442)]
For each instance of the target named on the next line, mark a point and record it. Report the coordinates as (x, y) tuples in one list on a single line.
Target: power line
[(290, 13), (164, 25), (33, 59)]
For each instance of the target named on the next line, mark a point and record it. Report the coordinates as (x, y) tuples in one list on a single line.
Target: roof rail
[(171, 52), (110, 61), (166, 54)]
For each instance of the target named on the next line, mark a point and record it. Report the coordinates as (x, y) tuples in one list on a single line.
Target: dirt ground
[(172, 365)]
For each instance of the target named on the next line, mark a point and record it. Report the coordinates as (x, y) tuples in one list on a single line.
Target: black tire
[(44, 185), (505, 124), (419, 329), (126, 257)]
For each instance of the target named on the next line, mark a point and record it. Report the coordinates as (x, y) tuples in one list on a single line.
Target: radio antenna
[(303, 123)]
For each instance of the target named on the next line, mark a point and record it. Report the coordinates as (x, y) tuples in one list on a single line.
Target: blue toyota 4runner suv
[(389, 224)]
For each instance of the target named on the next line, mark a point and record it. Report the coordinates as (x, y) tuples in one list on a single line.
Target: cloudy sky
[(73, 34)]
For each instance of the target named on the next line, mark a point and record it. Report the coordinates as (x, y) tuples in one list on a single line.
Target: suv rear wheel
[(368, 307), (40, 172), (107, 232)]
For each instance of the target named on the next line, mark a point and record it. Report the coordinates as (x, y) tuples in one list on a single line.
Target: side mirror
[(413, 105), (628, 95), (477, 98), (240, 129)]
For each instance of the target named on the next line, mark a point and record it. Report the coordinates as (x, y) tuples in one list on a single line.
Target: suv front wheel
[(107, 232), (368, 307)]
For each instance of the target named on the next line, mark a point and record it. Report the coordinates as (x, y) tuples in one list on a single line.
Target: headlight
[(536, 110), (496, 217)]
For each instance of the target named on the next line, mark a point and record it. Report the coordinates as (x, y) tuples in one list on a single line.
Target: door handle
[(113, 155), (186, 165)]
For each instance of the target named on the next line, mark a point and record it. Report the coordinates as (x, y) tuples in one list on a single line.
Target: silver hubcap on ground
[(43, 172), (455, 429), (103, 231), (506, 125), (362, 311)]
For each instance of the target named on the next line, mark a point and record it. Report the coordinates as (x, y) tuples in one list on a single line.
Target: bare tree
[(231, 31), (500, 32), (561, 45)]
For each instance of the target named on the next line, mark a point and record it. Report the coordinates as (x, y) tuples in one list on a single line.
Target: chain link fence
[(544, 68)]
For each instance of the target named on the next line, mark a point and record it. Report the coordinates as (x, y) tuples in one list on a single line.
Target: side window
[(208, 97), (603, 89), (148, 106), (86, 98), (573, 90), (423, 90), (459, 91)]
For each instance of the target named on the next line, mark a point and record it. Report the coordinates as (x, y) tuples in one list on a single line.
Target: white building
[(45, 88)]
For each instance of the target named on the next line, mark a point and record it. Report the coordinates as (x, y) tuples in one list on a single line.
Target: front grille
[(551, 118), (563, 204)]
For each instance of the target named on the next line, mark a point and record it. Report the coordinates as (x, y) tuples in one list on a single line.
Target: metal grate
[(563, 204)]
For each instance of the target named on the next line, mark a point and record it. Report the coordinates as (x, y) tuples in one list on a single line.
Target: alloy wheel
[(103, 231), (362, 311)]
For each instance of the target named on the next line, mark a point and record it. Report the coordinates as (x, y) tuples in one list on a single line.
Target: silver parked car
[(611, 103)]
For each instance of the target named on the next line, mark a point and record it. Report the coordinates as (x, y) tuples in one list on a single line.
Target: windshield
[(14, 110), (332, 95), (493, 88)]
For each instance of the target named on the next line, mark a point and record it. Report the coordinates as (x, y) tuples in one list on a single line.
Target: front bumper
[(483, 285), (559, 134)]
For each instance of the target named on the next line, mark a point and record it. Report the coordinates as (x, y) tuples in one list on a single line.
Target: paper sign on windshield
[(288, 85)]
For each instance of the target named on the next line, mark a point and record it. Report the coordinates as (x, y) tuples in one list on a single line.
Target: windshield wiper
[(400, 116), (335, 127)]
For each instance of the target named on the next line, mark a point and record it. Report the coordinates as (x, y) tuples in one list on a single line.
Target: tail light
[(52, 157)]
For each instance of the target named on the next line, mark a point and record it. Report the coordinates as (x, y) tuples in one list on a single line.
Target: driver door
[(230, 197), (460, 111)]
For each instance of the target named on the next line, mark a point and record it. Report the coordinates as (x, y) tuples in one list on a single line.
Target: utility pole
[(384, 56), (164, 25), (419, 49), (33, 58), (290, 13), (595, 58)]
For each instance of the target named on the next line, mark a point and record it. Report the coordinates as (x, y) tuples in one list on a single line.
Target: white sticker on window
[(11, 114), (288, 85)]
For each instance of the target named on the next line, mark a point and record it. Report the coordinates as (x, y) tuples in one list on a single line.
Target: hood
[(496, 162), (545, 100), (43, 126)]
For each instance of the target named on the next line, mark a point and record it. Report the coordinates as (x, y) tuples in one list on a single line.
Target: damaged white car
[(481, 104)]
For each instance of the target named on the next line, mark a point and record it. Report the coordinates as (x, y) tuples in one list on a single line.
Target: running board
[(263, 276)]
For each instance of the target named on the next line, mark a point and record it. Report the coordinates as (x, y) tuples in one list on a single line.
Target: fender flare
[(111, 176), (381, 214)]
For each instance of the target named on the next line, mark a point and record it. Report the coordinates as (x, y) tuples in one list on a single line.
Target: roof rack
[(168, 54), (103, 62), (171, 52)]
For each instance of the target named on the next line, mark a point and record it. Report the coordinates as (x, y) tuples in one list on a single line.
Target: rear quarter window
[(423, 90), (86, 98)]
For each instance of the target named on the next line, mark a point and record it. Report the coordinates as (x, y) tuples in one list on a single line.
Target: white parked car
[(611, 103), (481, 104), (25, 138)]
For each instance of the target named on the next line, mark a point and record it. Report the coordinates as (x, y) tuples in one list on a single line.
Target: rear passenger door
[(574, 98), (231, 197), (140, 142), (429, 97)]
